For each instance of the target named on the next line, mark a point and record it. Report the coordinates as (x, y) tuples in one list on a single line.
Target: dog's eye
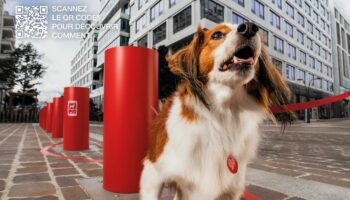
[(217, 35)]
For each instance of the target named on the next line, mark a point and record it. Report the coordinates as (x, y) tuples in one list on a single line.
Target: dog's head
[(234, 56)]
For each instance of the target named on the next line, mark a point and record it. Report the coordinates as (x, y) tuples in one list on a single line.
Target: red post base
[(57, 118)]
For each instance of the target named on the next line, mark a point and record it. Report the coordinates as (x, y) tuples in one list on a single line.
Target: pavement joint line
[(96, 136), (8, 127), (81, 172), (50, 171), (308, 132), (15, 163), (9, 135), (294, 187)]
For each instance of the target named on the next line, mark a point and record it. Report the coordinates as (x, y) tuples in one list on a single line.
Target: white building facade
[(297, 33), (7, 43), (341, 58), (115, 14), (85, 61)]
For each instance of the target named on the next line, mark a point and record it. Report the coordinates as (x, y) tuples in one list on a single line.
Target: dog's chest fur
[(196, 152)]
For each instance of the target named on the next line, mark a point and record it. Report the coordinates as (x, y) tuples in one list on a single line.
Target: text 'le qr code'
[(32, 22)]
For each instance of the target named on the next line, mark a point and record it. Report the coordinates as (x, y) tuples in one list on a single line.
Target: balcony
[(110, 8), (7, 46)]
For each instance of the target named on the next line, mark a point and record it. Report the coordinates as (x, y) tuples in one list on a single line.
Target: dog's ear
[(269, 87), (185, 64)]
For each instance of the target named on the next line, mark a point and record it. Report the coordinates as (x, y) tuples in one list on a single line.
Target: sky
[(58, 53)]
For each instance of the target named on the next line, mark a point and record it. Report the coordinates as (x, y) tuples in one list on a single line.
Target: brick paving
[(319, 152)]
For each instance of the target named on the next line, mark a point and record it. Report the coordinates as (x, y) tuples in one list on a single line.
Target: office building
[(341, 58), (7, 43), (115, 14), (297, 33), (85, 61)]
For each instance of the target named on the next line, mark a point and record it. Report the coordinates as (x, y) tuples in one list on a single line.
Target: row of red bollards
[(130, 101), (68, 117)]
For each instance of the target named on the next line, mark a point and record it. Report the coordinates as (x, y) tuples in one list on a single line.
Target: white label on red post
[(72, 108)]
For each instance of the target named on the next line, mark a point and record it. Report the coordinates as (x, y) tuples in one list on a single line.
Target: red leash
[(45, 151), (309, 104)]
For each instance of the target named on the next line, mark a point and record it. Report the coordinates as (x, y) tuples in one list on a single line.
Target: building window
[(343, 38), (290, 72), (278, 3), (265, 35), (157, 10), (290, 11), (301, 19), (317, 34), (302, 57), (292, 52), (309, 43), (279, 46), (140, 23), (317, 49), (173, 2), (300, 75), (348, 36), (125, 25), (300, 37), (278, 64), (308, 9), (258, 9), (299, 2), (289, 29), (212, 11), (318, 65), (312, 62), (124, 41), (182, 20), (310, 27), (142, 42), (142, 2), (275, 20), (240, 2), (237, 19), (315, 16), (159, 33), (338, 33)]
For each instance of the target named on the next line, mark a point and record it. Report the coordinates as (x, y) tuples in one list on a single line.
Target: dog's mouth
[(242, 57)]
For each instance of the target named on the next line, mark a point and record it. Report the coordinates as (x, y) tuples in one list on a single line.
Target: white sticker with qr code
[(32, 22)]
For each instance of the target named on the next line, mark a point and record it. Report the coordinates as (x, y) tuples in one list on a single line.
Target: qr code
[(31, 22)]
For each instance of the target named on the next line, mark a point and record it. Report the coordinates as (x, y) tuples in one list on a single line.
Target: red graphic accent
[(309, 104), (232, 164), (45, 151), (72, 108)]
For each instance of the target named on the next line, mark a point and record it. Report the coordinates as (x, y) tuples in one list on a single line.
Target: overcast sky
[(59, 53)]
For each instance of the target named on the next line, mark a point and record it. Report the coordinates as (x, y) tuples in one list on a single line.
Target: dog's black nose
[(247, 29)]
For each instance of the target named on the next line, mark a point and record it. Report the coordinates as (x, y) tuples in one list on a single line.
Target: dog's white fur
[(195, 154)]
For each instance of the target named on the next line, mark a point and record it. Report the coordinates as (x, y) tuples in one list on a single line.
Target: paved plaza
[(306, 161)]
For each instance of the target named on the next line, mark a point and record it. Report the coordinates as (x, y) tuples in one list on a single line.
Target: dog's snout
[(248, 29)]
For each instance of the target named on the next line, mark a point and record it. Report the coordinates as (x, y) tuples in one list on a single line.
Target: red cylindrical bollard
[(130, 97), (57, 120), (44, 118), (49, 118), (76, 119)]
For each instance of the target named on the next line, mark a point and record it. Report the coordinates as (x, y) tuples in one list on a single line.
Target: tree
[(167, 80), (29, 68), (8, 73)]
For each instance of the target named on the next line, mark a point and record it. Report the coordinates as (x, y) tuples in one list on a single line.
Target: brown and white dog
[(210, 125)]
